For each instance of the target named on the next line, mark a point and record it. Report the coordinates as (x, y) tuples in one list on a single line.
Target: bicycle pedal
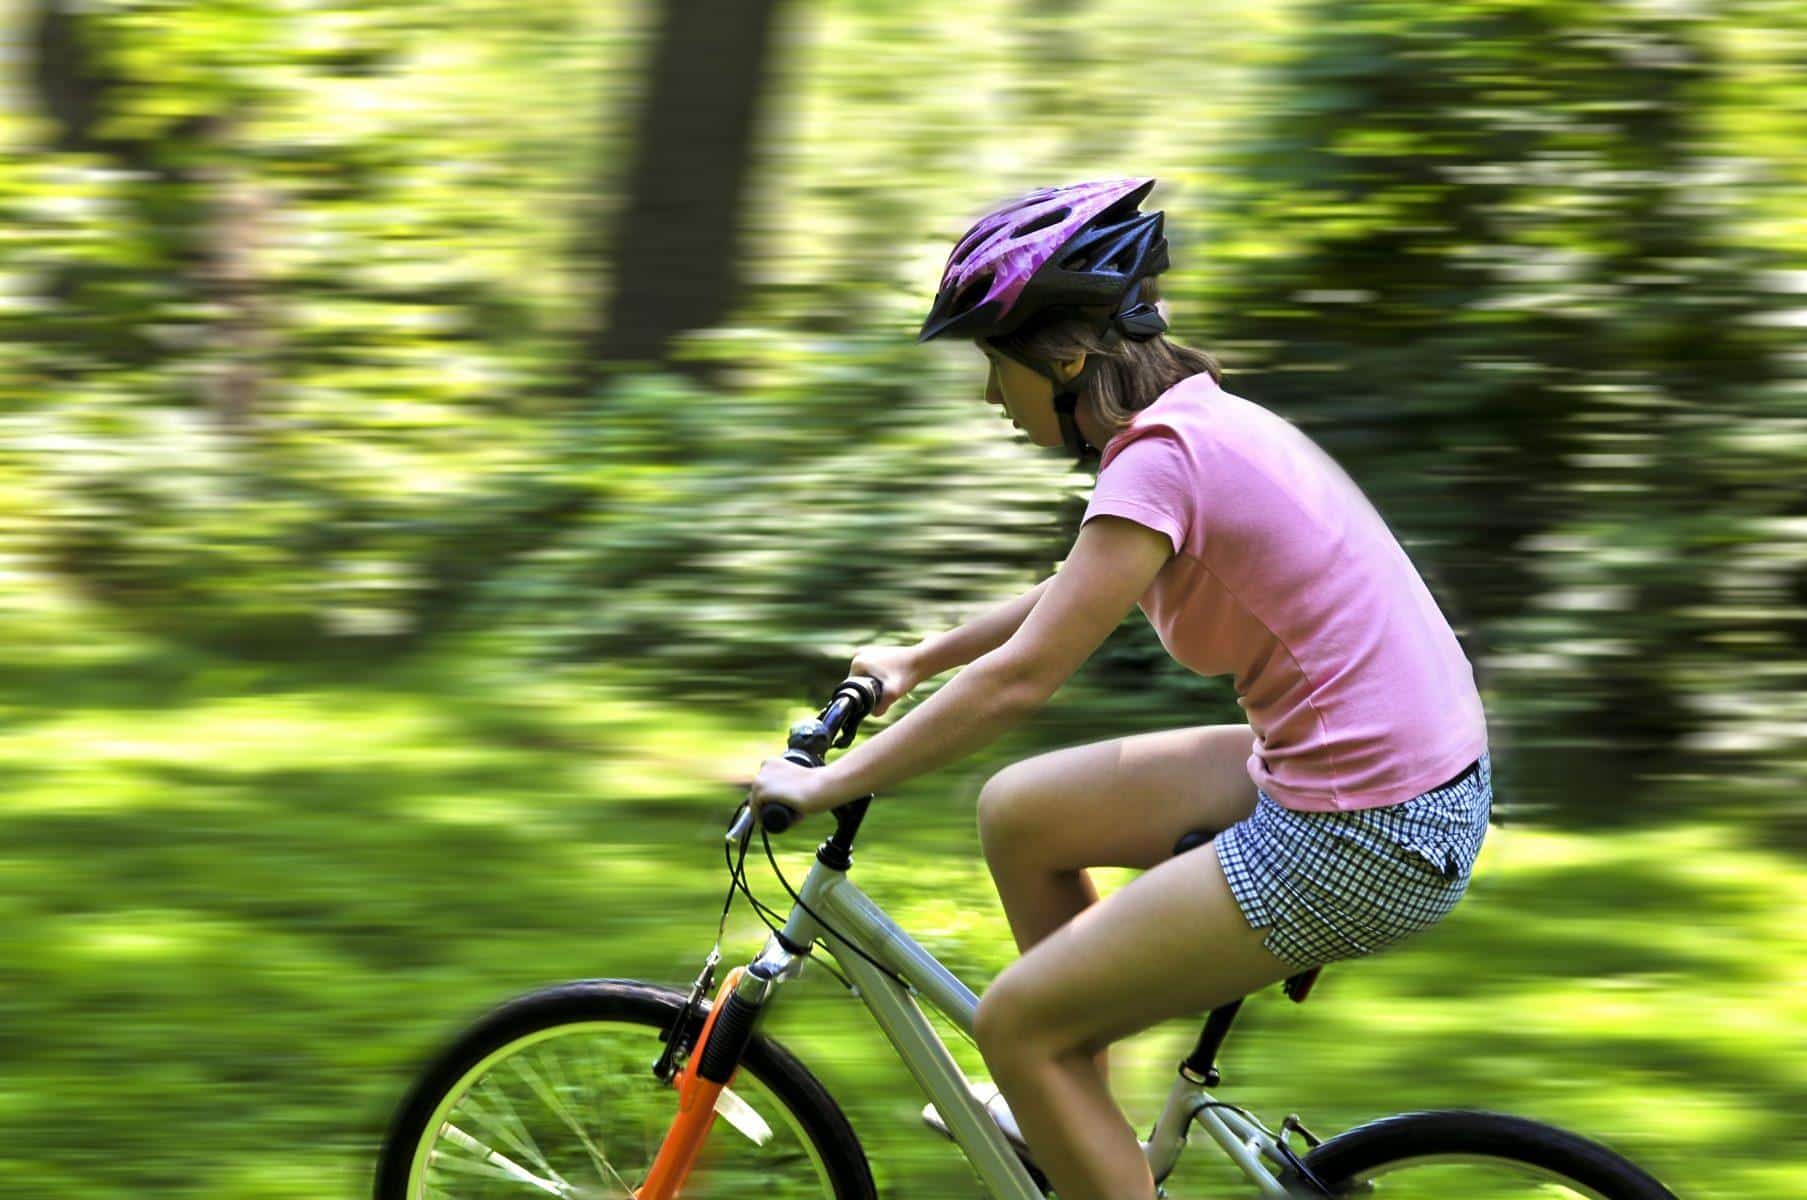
[(931, 1116)]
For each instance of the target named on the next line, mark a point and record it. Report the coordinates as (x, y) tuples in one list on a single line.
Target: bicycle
[(566, 1092)]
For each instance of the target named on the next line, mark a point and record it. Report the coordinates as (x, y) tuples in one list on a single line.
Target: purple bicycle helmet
[(1074, 247)]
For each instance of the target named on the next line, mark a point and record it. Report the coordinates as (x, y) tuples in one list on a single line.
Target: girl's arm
[(1112, 564), (981, 635)]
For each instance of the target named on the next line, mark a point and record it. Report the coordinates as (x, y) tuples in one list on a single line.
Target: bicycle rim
[(574, 1112), (1468, 1175)]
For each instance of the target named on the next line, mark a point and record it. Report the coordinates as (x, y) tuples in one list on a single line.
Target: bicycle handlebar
[(810, 740)]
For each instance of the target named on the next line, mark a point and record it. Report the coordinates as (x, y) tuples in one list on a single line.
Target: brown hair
[(1130, 376)]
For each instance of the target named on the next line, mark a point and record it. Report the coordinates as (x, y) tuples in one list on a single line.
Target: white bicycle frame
[(858, 921)]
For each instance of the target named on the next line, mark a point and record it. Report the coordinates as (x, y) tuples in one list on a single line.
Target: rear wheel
[(1477, 1156), (553, 1095)]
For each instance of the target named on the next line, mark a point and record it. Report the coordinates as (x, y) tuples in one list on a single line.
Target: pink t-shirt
[(1285, 577)]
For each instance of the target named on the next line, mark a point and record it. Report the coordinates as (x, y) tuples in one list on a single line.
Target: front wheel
[(553, 1095), (1477, 1156)]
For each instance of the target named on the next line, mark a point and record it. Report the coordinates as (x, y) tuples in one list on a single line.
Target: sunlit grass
[(252, 899)]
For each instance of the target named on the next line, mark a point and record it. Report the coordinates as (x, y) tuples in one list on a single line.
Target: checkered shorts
[(1330, 885)]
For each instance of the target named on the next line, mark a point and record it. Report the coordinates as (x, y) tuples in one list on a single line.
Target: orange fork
[(696, 1112)]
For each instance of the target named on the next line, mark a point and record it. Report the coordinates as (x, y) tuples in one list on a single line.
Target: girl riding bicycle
[(1349, 810)]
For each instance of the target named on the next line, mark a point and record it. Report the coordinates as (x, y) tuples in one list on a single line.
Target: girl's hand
[(893, 666), (785, 782)]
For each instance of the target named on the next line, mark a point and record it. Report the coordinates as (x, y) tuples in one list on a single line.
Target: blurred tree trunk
[(236, 213), (203, 214), (68, 83), (675, 248), (673, 252)]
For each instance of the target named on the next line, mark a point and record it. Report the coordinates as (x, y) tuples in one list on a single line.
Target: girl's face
[(1025, 395)]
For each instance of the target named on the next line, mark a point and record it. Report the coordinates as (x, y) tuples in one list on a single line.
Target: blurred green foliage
[(1502, 261), (287, 357), (360, 670)]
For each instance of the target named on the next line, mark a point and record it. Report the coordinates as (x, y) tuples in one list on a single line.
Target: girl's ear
[(1071, 366)]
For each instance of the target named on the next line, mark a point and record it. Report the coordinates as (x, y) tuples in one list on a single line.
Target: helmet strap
[(1066, 399), (1134, 319), (1066, 402)]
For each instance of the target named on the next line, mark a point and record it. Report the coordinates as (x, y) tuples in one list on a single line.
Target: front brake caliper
[(678, 1037)]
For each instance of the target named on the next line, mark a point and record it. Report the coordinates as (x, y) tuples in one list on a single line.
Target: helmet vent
[(1053, 216), (964, 251), (1077, 247), (974, 291), (1123, 210)]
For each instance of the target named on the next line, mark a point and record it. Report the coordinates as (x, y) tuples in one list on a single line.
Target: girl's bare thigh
[(1122, 802)]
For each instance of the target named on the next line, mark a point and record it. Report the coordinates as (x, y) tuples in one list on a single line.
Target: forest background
[(442, 445)]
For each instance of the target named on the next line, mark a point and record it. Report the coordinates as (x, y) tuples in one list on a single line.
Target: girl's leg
[(1170, 943), (1121, 802)]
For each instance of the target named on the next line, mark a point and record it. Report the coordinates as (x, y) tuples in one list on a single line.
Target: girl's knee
[(1005, 1018), (1006, 811), (1020, 1019)]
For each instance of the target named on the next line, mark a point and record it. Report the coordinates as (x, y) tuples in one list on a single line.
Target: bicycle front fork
[(719, 1047)]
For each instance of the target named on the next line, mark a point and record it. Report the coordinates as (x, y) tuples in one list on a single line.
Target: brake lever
[(873, 692), (869, 690)]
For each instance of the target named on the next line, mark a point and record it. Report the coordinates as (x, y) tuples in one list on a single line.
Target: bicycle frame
[(858, 920)]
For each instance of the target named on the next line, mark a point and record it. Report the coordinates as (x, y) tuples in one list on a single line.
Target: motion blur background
[(443, 444)]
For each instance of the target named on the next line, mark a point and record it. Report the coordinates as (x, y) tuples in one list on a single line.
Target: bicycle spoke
[(549, 1096), (506, 1125), (552, 1089), (493, 1164), (554, 1116), (651, 1135), (743, 1117)]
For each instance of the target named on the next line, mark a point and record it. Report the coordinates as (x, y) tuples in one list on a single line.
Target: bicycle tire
[(1347, 1160), (569, 1009)]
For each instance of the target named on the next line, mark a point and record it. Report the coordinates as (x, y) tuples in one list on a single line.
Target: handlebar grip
[(862, 691), (775, 817)]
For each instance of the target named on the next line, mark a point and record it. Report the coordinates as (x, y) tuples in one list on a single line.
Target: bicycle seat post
[(1201, 1065)]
